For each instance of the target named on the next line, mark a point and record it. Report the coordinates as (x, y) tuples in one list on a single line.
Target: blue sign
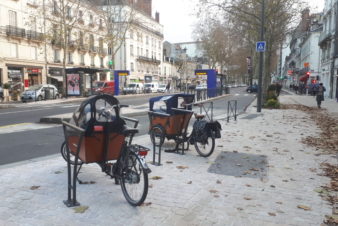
[(260, 46)]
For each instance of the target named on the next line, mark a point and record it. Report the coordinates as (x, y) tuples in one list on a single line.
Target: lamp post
[(260, 76)]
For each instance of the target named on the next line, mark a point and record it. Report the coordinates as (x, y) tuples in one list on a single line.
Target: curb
[(57, 119)]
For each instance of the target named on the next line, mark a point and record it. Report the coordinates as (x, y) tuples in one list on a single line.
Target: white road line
[(14, 128)]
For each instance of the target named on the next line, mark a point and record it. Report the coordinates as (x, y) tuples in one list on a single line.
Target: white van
[(133, 88), (151, 87)]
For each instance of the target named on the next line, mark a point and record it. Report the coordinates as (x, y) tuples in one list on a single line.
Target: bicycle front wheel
[(134, 180), (205, 148)]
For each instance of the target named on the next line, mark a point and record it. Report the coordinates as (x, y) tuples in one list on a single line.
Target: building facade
[(328, 43), (35, 42)]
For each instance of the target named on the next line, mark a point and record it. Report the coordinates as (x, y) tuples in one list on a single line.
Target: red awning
[(304, 78)]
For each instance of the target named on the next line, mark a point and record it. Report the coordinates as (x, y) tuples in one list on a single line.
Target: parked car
[(151, 87), (161, 88), (133, 88), (201, 87), (104, 87), (40, 92), (252, 89)]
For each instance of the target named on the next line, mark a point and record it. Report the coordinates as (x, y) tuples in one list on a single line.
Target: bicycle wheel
[(134, 180), (71, 156), (205, 148)]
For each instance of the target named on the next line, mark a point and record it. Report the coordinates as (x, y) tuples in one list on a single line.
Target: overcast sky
[(178, 21)]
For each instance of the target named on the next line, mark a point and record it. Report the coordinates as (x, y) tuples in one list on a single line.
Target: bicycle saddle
[(199, 116), (128, 131)]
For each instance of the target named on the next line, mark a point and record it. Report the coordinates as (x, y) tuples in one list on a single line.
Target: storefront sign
[(26, 83), (33, 70), (73, 84)]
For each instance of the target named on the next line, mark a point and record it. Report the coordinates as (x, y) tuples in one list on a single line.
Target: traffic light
[(308, 74), (110, 63)]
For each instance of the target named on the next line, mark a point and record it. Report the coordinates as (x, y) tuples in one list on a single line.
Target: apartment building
[(328, 43), (34, 42)]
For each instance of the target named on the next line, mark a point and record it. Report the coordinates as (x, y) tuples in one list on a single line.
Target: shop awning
[(59, 78), (83, 70)]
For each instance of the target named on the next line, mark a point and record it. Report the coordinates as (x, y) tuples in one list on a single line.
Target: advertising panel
[(73, 84)]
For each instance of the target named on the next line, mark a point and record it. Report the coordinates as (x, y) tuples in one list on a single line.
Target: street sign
[(260, 46)]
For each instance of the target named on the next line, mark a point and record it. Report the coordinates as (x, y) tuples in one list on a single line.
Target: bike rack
[(232, 110), (206, 110), (71, 200)]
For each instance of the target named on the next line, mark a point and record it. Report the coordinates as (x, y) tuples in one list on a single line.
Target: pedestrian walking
[(168, 87), (278, 89), (320, 94)]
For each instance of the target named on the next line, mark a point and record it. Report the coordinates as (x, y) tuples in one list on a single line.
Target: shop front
[(55, 78), (34, 76), (16, 81)]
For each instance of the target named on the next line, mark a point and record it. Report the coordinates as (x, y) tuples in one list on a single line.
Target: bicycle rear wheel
[(207, 147), (71, 156), (134, 180)]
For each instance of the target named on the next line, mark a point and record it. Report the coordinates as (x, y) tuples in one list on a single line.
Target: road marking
[(21, 127), (18, 124), (6, 113)]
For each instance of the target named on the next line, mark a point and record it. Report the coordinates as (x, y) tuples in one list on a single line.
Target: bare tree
[(280, 16)]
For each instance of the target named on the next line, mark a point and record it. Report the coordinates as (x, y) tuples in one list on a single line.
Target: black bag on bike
[(201, 130), (215, 127)]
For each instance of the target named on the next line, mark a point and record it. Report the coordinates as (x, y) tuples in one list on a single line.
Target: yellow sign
[(201, 73), (123, 74)]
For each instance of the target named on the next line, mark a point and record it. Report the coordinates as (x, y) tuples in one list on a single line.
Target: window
[(100, 25), (147, 53), (70, 58), (131, 34), (138, 51), (92, 61), (33, 53), (81, 38), (12, 18), (131, 50), (91, 42), (91, 20), (68, 12), (141, 51), (69, 35), (57, 56), (82, 59), (132, 66), (101, 62), (147, 40), (55, 7)]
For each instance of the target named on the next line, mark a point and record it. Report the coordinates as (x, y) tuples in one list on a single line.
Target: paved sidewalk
[(260, 174)]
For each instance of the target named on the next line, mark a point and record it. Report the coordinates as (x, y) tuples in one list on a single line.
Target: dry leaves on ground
[(304, 207), (156, 178), (34, 187), (80, 209), (182, 167)]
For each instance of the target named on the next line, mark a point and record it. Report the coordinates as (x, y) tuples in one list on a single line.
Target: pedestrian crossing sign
[(260, 46)]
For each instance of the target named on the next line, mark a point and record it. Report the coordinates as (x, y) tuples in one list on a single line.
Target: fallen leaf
[(182, 167), (273, 186), (272, 214), (146, 204), (213, 191), (247, 198), (150, 186), (169, 162), (285, 181), (235, 151), (279, 202), (80, 209), (34, 187), (58, 172), (254, 169), (156, 178), (239, 208), (219, 182), (313, 170), (189, 182), (304, 207), (216, 196), (220, 146), (248, 185)]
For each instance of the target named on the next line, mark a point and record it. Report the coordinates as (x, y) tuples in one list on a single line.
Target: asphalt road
[(37, 140)]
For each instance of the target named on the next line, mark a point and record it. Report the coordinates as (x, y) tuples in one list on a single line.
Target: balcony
[(149, 60), (71, 45), (57, 61), (56, 42), (92, 65), (323, 38), (34, 36), (17, 32), (82, 64), (103, 51), (82, 47), (93, 49)]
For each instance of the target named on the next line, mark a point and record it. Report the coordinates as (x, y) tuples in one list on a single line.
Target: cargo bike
[(98, 134), (169, 118)]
